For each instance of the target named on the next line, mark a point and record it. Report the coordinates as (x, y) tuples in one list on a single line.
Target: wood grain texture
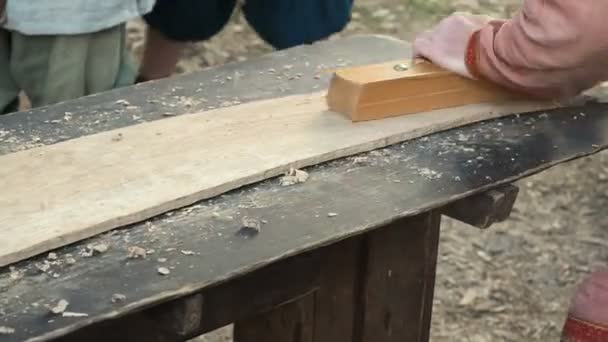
[(290, 322), (399, 281), (372, 92), (58, 194)]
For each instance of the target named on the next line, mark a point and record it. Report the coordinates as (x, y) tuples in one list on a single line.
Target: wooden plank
[(291, 322), (483, 210), (395, 88), (61, 193), (399, 280)]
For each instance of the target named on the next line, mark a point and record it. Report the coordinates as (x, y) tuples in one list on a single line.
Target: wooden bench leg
[(291, 322), (325, 315), (374, 288), (399, 280)]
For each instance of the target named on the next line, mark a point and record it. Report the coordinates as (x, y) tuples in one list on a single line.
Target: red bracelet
[(472, 55), (579, 331)]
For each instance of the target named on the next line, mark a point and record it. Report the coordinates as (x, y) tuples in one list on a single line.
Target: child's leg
[(9, 91), (173, 24), (51, 69)]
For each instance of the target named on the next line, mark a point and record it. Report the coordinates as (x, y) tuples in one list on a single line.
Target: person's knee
[(287, 23), (190, 20)]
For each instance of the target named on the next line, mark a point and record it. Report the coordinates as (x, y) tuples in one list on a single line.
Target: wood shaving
[(43, 267), (99, 248), (118, 297), (163, 271), (250, 227), (15, 274), (251, 223), (136, 252), (60, 307), (332, 214), (117, 137), (294, 176), (4, 330), (74, 314), (70, 260)]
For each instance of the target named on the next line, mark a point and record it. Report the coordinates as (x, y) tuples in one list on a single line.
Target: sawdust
[(118, 297), (4, 330), (250, 227), (117, 137), (163, 271), (135, 252), (294, 176), (60, 307), (74, 314)]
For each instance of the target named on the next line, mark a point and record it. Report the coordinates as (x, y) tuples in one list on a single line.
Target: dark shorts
[(281, 23)]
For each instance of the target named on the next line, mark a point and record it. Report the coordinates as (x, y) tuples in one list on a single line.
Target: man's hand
[(446, 44)]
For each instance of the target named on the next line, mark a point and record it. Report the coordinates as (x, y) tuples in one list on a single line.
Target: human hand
[(446, 44)]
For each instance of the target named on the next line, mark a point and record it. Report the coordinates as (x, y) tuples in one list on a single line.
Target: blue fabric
[(281, 23), (286, 23)]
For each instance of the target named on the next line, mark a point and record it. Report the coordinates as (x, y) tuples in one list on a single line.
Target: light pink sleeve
[(550, 48)]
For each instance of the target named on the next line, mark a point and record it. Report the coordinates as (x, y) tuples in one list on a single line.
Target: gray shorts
[(50, 69)]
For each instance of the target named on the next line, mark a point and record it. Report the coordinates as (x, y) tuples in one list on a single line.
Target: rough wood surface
[(399, 280), (378, 91), (291, 322), (336, 299), (58, 194)]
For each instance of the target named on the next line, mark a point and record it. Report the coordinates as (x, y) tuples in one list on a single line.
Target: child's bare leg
[(9, 91), (160, 56)]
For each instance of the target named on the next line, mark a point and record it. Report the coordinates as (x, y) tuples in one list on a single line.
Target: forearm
[(551, 48)]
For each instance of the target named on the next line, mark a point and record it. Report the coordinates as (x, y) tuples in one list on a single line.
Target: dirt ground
[(514, 281)]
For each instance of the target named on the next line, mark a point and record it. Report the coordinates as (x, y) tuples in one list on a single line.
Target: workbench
[(349, 255)]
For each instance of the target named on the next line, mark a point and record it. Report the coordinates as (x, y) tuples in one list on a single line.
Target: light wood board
[(58, 194)]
